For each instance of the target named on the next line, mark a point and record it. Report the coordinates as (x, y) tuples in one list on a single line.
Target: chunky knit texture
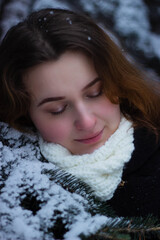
[(102, 169)]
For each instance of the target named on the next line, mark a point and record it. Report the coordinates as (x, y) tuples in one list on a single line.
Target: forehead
[(71, 70)]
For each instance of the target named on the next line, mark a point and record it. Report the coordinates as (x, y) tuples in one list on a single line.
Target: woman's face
[(68, 106)]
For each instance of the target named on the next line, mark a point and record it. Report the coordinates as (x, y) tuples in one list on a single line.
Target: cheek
[(52, 130), (55, 132), (108, 110)]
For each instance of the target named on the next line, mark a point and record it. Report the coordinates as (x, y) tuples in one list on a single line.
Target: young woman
[(97, 114)]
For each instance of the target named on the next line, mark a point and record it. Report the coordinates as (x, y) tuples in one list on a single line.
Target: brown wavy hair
[(48, 33)]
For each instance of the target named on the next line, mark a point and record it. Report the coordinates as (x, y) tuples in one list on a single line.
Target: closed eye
[(95, 94), (59, 111)]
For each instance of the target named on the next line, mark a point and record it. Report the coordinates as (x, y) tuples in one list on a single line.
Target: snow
[(24, 230), (103, 6), (155, 40), (39, 4), (130, 15), (131, 19), (69, 20), (89, 226), (31, 202), (15, 11)]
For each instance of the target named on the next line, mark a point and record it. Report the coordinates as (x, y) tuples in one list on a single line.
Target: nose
[(85, 119)]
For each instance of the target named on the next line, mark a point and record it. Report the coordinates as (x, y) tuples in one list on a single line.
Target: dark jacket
[(139, 194)]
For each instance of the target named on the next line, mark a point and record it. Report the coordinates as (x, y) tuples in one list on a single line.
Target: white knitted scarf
[(102, 169)]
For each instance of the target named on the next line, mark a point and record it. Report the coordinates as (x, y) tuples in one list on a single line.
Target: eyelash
[(59, 112), (99, 93)]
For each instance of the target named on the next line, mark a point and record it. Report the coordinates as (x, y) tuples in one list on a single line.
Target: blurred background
[(135, 23)]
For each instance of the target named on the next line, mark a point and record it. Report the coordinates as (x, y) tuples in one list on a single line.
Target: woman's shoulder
[(146, 153), (139, 195)]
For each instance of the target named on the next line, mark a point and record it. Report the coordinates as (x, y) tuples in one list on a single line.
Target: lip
[(91, 139)]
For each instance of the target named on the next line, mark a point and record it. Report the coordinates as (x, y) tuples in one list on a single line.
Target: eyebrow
[(97, 79), (52, 99)]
